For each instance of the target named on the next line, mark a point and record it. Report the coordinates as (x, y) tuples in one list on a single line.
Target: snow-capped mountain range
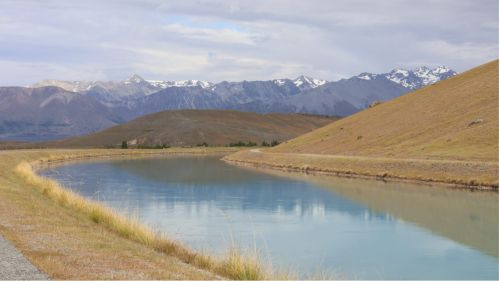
[(413, 79), (80, 86), (55, 109), (182, 83)]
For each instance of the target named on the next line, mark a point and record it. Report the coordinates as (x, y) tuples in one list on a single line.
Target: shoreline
[(40, 196), (121, 230), (274, 161), (136, 154)]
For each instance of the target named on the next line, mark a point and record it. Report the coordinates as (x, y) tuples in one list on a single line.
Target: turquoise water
[(352, 228)]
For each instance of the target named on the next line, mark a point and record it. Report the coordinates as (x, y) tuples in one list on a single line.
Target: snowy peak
[(280, 82), (422, 69), (133, 82), (400, 72), (304, 81), (301, 82), (71, 86), (441, 70), (134, 79), (367, 76), (423, 76), (413, 79), (182, 83)]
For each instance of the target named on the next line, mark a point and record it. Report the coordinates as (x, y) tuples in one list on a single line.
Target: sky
[(236, 40)]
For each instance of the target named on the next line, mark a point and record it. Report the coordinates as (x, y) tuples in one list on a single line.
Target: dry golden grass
[(435, 122), (446, 132), (458, 173), (70, 237)]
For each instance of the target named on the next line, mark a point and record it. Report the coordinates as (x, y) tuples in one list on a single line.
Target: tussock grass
[(246, 268), (235, 266)]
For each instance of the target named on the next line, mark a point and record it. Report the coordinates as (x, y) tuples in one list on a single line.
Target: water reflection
[(466, 216), (364, 229)]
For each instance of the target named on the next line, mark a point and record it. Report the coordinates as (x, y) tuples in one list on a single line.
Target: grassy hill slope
[(446, 133), (453, 119), (193, 127)]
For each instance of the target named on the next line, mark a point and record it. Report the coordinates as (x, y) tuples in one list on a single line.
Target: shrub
[(375, 103), (124, 145), (251, 143), (156, 146), (240, 143)]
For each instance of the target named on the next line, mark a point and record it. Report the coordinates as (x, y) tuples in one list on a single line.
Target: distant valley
[(53, 109)]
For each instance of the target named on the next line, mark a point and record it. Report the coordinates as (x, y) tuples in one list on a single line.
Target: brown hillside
[(192, 127), (456, 119)]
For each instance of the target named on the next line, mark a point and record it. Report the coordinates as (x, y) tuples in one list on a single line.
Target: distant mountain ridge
[(412, 79), (115, 102), (80, 86), (137, 96), (50, 112)]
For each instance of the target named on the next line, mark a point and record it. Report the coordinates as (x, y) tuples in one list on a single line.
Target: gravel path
[(14, 266)]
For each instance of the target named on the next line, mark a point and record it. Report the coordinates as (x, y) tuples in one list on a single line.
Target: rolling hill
[(194, 127), (453, 119), (446, 132)]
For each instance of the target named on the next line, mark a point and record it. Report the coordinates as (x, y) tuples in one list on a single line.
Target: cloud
[(239, 40), (161, 61), (223, 35), (461, 52), (36, 71)]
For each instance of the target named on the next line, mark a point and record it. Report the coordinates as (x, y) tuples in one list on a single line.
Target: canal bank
[(453, 173), (357, 228), (66, 242)]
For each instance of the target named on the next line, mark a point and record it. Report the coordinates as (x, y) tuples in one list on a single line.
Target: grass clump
[(239, 267)]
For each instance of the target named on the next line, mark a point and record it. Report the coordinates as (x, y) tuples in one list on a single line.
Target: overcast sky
[(239, 40)]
